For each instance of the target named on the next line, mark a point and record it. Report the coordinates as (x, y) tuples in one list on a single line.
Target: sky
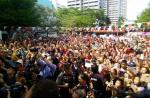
[(134, 7)]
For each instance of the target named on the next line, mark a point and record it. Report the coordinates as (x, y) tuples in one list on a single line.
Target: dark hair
[(86, 78), (45, 89), (94, 69), (17, 91), (121, 81), (67, 66), (138, 51), (33, 49), (143, 94), (19, 53), (124, 62), (81, 93), (147, 70)]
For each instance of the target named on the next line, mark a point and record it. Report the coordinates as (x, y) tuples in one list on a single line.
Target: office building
[(116, 9), (83, 4), (113, 8)]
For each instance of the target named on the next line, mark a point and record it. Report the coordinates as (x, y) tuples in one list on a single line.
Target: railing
[(104, 32)]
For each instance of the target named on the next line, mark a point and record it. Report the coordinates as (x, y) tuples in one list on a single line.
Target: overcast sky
[(134, 7)]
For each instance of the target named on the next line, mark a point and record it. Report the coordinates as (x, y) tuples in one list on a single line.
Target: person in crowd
[(117, 89), (84, 82), (97, 83), (10, 79), (137, 85), (65, 81), (66, 59), (43, 89), (79, 93)]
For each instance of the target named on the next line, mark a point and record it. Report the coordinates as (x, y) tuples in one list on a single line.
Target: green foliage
[(144, 16), (18, 13), (45, 14), (120, 21), (73, 17)]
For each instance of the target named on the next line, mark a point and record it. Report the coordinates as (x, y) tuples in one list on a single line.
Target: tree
[(67, 17), (18, 13), (72, 17), (107, 20), (120, 21), (144, 16)]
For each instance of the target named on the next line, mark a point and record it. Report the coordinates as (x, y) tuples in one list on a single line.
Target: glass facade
[(47, 3)]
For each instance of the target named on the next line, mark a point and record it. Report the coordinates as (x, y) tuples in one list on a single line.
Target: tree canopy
[(144, 16), (18, 13), (120, 21), (72, 17)]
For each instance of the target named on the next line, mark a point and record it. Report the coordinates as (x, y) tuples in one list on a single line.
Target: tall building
[(82, 4), (116, 9), (113, 8)]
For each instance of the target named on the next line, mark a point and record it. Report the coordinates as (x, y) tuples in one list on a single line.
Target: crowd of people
[(75, 66)]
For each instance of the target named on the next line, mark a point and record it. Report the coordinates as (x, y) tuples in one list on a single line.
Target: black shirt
[(62, 79), (97, 82)]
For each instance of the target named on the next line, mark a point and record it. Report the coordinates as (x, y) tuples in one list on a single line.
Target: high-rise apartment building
[(113, 8), (74, 3), (82, 4), (116, 9)]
